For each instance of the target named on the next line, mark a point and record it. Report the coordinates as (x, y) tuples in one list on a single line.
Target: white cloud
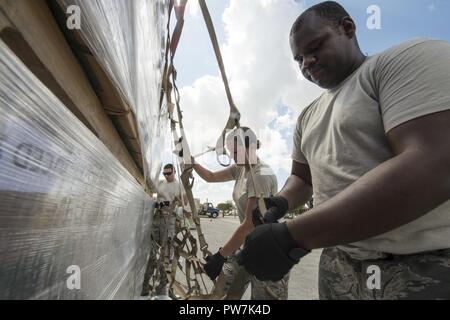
[(193, 9), (205, 112), (275, 151), (285, 122), (262, 74)]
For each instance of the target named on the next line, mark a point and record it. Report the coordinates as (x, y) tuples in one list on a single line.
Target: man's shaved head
[(330, 11)]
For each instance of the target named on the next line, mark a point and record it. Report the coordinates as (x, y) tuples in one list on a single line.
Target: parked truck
[(209, 210)]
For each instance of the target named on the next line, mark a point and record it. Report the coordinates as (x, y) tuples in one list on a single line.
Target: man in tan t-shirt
[(164, 227), (375, 150)]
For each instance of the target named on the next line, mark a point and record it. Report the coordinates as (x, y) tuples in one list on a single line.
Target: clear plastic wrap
[(66, 204), (74, 224), (128, 39), (65, 200)]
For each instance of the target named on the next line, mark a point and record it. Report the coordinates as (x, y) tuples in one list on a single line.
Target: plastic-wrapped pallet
[(128, 39), (74, 224)]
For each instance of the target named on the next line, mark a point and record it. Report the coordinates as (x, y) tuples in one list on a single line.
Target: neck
[(359, 60)]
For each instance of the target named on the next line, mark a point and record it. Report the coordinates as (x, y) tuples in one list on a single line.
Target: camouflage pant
[(408, 277), (163, 231), (234, 280)]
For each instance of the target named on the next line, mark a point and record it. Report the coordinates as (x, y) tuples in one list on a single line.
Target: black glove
[(277, 207), (270, 252), (214, 265)]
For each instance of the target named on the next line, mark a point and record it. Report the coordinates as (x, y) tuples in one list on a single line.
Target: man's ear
[(349, 27)]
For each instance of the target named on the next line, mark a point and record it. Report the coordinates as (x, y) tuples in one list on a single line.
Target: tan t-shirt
[(168, 191), (342, 135), (265, 182)]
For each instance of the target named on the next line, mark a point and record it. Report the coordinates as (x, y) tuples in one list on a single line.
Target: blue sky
[(198, 60), (401, 20), (265, 82)]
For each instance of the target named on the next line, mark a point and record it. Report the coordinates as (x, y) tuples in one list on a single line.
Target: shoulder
[(406, 45), (412, 48), (264, 170), (235, 171), (162, 183)]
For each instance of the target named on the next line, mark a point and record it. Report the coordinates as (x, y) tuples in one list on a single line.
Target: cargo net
[(174, 263), (67, 202), (133, 42), (174, 271)]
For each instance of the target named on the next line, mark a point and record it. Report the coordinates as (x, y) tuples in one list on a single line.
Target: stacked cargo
[(80, 126)]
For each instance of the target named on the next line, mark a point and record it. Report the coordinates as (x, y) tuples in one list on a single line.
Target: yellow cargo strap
[(235, 115), (186, 247)]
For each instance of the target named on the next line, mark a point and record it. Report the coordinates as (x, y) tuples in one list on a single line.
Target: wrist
[(222, 254), (286, 240), (280, 204), (299, 240), (283, 203)]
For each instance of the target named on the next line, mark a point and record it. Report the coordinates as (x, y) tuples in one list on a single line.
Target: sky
[(265, 82)]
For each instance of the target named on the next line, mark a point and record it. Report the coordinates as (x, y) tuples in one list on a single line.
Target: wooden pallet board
[(31, 31)]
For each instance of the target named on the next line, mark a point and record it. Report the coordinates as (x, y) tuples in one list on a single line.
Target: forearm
[(395, 193), (204, 173), (296, 191), (236, 240), (218, 176)]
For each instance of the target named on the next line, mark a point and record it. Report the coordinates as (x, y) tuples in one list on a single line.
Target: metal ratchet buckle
[(163, 204)]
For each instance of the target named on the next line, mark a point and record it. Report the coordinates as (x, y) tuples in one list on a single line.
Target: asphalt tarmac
[(303, 281)]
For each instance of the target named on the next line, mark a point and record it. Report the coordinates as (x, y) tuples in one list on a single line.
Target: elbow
[(309, 189), (436, 163), (446, 181), (209, 177), (308, 186), (432, 169), (212, 178), (206, 176)]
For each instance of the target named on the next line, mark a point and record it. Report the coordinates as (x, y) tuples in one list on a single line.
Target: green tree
[(226, 207)]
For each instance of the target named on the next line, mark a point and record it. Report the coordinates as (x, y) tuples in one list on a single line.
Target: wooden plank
[(113, 103), (116, 108), (34, 21), (17, 43)]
